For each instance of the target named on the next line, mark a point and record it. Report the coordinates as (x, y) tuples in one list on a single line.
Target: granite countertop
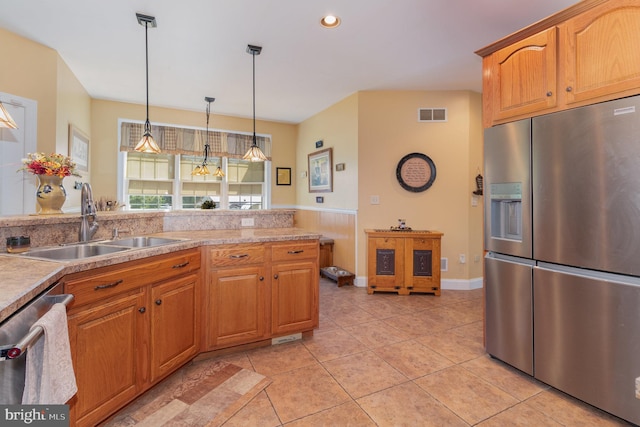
[(23, 278)]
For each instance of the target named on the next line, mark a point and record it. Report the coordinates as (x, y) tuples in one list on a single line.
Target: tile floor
[(389, 360)]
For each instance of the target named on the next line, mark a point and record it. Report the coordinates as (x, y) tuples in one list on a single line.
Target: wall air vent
[(432, 114)]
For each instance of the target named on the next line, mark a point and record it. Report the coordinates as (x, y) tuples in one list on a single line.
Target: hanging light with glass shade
[(6, 121), (147, 144), (254, 154), (203, 169)]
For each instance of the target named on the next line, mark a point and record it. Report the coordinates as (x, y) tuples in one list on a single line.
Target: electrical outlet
[(374, 200), (248, 222), (476, 258), (638, 388), (462, 258)]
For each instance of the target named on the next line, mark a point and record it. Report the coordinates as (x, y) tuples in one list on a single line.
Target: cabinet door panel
[(294, 297), (422, 269), (107, 369), (238, 301), (174, 328), (601, 52), (524, 76), (385, 263)]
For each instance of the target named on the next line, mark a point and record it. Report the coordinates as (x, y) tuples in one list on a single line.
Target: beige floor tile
[(412, 358), (346, 415), (408, 405), (381, 309), (421, 323), (516, 383), (259, 413), (331, 344), (304, 391), (348, 316), (571, 412), (455, 347), (470, 397), (281, 358), (376, 334), (363, 373), (520, 415)]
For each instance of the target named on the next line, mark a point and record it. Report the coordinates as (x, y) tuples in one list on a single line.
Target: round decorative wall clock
[(416, 172)]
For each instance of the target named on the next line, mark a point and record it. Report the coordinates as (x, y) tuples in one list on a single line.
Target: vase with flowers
[(50, 169)]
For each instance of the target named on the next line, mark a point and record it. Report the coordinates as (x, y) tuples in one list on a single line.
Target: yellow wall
[(29, 70), (104, 144), (370, 132), (389, 130), (73, 108), (337, 127), (37, 72)]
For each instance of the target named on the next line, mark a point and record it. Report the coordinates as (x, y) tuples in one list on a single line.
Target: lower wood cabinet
[(238, 306), (403, 261), (105, 343), (130, 325), (259, 291), (295, 287)]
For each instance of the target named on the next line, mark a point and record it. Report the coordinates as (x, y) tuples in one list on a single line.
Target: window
[(164, 181)]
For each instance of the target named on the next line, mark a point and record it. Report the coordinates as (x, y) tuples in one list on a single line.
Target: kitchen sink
[(142, 242), (73, 252)]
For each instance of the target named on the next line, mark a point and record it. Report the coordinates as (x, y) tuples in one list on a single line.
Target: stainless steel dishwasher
[(16, 337)]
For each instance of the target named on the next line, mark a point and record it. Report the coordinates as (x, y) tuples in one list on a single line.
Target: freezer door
[(509, 321), (587, 336), (586, 181), (507, 188)]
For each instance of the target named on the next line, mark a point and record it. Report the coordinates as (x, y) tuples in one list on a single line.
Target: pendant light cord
[(206, 143), (147, 124), (255, 141)]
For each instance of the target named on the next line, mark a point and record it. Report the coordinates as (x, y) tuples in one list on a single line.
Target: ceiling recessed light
[(330, 21)]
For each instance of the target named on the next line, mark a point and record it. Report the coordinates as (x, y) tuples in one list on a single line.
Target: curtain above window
[(175, 140)]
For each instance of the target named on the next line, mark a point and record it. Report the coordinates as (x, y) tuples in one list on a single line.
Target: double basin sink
[(87, 250)]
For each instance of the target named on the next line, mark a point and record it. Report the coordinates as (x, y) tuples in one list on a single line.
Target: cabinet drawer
[(294, 250), (88, 288), (232, 255)]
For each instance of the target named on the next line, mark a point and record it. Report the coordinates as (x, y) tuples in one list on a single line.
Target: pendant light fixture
[(254, 154), (203, 169), (147, 144), (6, 121)]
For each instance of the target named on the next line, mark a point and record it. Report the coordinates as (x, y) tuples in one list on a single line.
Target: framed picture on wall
[(320, 171), (283, 176), (79, 148)]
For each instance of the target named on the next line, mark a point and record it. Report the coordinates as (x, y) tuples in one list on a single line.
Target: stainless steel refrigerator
[(574, 306)]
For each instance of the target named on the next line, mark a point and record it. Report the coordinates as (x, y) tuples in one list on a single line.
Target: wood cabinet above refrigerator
[(584, 54)]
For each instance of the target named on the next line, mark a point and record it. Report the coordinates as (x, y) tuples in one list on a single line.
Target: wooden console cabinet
[(404, 261)]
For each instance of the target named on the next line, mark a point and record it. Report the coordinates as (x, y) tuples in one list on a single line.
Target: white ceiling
[(199, 48)]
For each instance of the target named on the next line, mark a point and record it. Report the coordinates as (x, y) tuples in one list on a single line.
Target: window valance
[(175, 140)]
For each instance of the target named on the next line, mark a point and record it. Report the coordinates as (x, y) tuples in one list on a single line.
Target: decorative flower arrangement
[(49, 164)]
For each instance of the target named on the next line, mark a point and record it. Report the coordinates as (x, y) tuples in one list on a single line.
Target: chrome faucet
[(87, 209)]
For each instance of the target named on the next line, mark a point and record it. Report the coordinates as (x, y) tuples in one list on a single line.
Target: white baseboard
[(449, 284)]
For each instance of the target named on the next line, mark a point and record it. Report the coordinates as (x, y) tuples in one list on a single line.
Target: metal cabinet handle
[(184, 264), (275, 276), (298, 251), (158, 301), (238, 256), (549, 93), (569, 88), (142, 309), (261, 278), (108, 285)]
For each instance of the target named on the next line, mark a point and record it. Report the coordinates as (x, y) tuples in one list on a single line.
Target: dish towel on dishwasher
[(49, 377)]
